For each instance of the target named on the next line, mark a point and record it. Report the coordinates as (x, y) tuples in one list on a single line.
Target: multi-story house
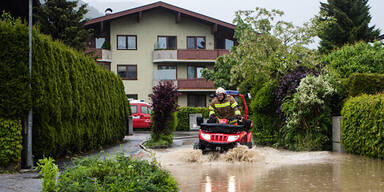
[(159, 42)]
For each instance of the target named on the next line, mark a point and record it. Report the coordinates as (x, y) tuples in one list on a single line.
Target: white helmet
[(220, 90)]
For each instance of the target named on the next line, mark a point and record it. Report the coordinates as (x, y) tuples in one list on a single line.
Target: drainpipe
[(30, 119)]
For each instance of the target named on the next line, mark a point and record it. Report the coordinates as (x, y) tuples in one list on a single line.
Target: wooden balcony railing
[(187, 54), (194, 84), (99, 54), (200, 54)]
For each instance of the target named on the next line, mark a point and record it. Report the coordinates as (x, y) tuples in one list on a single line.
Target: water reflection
[(208, 184), (278, 171), (230, 186)]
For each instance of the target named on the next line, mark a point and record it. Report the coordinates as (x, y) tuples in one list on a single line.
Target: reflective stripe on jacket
[(225, 109)]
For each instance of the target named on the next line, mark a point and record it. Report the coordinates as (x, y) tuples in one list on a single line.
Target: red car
[(141, 114)]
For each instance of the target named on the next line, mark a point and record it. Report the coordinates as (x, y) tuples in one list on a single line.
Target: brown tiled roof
[(164, 5)]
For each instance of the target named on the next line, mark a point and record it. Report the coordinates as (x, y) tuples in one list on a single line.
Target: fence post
[(337, 143)]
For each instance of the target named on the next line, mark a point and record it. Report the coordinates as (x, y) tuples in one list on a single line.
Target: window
[(132, 96), (133, 108), (166, 67), (145, 109), (194, 72), (99, 42), (126, 42), (106, 66), (196, 100), (127, 72), (224, 43), (228, 44), (166, 42), (195, 42)]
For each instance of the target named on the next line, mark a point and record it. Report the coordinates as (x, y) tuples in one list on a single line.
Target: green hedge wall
[(10, 143), (368, 83), (15, 95), (363, 125), (183, 116), (77, 105)]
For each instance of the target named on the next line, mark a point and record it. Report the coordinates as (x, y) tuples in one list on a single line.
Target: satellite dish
[(108, 11)]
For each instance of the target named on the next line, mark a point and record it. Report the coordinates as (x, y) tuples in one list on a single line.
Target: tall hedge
[(183, 116), (363, 125), (77, 105), (10, 143), (368, 83), (15, 93)]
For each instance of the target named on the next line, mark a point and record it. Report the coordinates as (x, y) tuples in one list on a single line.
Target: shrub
[(265, 120), (360, 83), (77, 105), (308, 123), (288, 84), (10, 143), (362, 125), (361, 58), (164, 105), (49, 172), (116, 173), (183, 116)]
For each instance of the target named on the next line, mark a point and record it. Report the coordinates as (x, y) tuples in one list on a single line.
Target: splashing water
[(242, 153)]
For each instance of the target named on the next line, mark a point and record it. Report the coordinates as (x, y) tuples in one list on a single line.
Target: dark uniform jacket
[(225, 109)]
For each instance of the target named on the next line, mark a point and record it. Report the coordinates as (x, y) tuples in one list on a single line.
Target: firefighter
[(224, 106)]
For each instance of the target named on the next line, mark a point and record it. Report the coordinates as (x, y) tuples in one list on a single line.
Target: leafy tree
[(62, 20), (268, 48), (221, 75), (352, 19)]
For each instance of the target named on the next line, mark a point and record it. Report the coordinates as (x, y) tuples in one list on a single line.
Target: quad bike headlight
[(232, 138), (206, 136)]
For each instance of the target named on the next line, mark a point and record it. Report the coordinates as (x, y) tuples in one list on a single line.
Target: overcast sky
[(296, 11)]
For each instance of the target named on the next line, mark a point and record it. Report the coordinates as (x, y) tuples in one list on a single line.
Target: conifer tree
[(352, 20), (63, 20)]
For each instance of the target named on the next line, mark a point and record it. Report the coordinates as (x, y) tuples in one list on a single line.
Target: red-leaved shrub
[(164, 100)]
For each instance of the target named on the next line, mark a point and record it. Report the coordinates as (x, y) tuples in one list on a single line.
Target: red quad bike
[(221, 136)]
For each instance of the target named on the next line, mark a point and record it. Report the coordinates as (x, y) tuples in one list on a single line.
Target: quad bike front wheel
[(198, 145)]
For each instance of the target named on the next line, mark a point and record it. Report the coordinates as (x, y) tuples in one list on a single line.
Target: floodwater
[(268, 169)]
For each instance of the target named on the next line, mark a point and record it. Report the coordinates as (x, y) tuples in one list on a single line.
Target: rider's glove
[(239, 117)]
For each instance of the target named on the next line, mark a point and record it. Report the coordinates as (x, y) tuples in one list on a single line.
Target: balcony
[(194, 84), (164, 75), (187, 55), (159, 75), (100, 54), (170, 75)]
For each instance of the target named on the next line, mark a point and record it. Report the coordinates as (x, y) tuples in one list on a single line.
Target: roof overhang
[(164, 5)]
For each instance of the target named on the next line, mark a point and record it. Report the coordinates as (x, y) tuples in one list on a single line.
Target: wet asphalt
[(30, 181)]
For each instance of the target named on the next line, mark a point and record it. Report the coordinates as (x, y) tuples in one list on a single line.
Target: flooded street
[(242, 169), (268, 169)]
